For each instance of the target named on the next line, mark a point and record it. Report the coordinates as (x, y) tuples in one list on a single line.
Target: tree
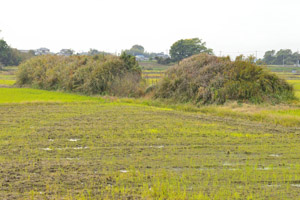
[(93, 52), (163, 61), (284, 57), (130, 61), (136, 50), (281, 57), (269, 57), (187, 47), (5, 53), (11, 56)]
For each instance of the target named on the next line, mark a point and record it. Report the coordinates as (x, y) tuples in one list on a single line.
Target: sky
[(229, 27)]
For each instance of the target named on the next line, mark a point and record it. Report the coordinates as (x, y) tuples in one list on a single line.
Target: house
[(162, 55), (141, 58), (23, 51), (42, 51), (65, 52), (83, 53)]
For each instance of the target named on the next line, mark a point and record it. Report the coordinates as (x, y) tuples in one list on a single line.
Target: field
[(286, 72), (153, 66), (7, 82), (290, 73), (152, 71), (24, 95), (56, 145)]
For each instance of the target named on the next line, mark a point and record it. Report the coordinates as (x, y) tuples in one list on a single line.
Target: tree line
[(281, 57)]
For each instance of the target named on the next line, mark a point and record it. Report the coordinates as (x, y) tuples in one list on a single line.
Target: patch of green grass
[(296, 85), (280, 68), (7, 82), (7, 77), (10, 68), (153, 66), (23, 95)]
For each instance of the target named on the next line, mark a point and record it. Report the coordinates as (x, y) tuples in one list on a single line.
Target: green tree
[(283, 56), (187, 47), (5, 54), (269, 57), (93, 52), (136, 50), (130, 62)]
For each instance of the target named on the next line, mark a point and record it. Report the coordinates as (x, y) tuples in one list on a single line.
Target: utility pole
[(220, 53), (283, 61)]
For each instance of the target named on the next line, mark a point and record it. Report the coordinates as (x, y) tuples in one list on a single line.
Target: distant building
[(162, 55), (65, 52), (42, 51), (141, 58), (24, 51), (83, 53)]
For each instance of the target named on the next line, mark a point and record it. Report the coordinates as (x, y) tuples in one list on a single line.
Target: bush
[(208, 79), (163, 61), (84, 74)]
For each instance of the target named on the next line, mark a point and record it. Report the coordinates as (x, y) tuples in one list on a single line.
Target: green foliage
[(93, 52), (187, 47), (136, 50), (5, 54), (163, 61), (282, 57), (130, 62), (10, 56), (83, 74), (208, 79)]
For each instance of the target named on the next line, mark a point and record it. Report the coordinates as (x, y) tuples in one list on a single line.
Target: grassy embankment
[(67, 146)]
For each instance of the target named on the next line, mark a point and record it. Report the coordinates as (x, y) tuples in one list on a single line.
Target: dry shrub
[(209, 79), (83, 74)]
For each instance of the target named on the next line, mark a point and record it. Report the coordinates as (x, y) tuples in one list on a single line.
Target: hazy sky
[(230, 26)]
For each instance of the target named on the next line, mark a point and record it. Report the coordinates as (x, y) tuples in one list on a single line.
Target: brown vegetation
[(84, 74), (208, 79)]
